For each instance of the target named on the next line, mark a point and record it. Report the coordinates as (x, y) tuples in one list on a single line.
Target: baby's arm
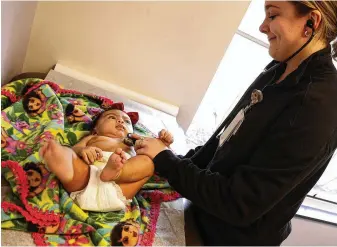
[(88, 154)]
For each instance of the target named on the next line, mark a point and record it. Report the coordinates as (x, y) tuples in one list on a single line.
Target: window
[(228, 85)]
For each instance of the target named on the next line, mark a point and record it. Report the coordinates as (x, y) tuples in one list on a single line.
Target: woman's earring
[(306, 33)]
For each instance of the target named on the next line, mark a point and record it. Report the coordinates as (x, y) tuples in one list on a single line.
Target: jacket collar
[(305, 69)]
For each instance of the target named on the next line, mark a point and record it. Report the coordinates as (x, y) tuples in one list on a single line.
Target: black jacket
[(247, 191)]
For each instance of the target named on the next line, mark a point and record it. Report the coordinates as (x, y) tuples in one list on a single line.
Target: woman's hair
[(328, 27)]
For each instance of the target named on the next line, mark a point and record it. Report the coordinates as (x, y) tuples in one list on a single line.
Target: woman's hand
[(148, 146)]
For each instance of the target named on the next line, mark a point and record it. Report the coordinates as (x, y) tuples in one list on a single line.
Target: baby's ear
[(94, 132)]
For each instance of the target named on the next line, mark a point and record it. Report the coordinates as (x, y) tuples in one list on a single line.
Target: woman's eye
[(272, 17)]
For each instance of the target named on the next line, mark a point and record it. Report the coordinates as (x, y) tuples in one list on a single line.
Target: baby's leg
[(66, 165), (59, 160), (131, 189), (135, 169)]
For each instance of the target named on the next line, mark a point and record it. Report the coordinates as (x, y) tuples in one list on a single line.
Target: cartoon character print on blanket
[(35, 103), (75, 114), (37, 176)]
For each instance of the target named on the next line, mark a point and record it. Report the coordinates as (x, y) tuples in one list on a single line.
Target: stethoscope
[(130, 141), (267, 70)]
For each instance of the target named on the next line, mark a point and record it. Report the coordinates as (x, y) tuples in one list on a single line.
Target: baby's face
[(114, 123)]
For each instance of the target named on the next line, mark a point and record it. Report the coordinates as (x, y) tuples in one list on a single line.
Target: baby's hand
[(166, 137), (90, 154)]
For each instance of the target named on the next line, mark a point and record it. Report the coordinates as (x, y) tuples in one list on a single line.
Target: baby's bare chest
[(109, 144)]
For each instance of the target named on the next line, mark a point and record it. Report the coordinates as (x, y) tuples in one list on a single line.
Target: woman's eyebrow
[(270, 6)]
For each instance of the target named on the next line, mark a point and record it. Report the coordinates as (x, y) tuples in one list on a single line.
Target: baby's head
[(114, 123), (125, 234)]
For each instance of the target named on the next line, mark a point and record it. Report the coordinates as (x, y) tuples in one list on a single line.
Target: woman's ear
[(94, 132), (316, 17)]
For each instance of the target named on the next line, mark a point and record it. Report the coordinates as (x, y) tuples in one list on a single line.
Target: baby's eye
[(127, 121), (111, 117)]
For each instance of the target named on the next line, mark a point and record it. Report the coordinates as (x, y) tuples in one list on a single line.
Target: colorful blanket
[(32, 111)]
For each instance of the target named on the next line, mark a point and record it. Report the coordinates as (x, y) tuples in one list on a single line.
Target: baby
[(101, 173)]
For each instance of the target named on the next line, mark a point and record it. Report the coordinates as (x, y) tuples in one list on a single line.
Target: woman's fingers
[(136, 136), (141, 151), (139, 144)]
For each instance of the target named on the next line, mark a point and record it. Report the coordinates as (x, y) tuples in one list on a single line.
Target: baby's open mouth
[(120, 127)]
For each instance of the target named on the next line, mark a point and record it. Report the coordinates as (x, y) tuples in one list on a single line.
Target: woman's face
[(284, 28)]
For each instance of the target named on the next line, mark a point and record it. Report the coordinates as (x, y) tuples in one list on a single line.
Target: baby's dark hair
[(95, 120), (25, 101), (116, 234)]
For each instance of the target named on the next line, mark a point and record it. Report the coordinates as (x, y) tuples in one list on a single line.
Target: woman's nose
[(264, 27)]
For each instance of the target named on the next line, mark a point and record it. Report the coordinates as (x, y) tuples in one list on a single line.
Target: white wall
[(165, 50), (16, 22), (311, 233)]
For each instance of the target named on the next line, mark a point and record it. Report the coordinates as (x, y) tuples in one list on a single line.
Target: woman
[(247, 184)]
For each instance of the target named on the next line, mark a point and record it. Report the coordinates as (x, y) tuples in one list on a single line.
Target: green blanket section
[(37, 201)]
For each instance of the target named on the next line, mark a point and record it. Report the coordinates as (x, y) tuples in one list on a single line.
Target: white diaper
[(100, 196)]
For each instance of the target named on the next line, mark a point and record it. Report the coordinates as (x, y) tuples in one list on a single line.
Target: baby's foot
[(113, 168), (58, 159)]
